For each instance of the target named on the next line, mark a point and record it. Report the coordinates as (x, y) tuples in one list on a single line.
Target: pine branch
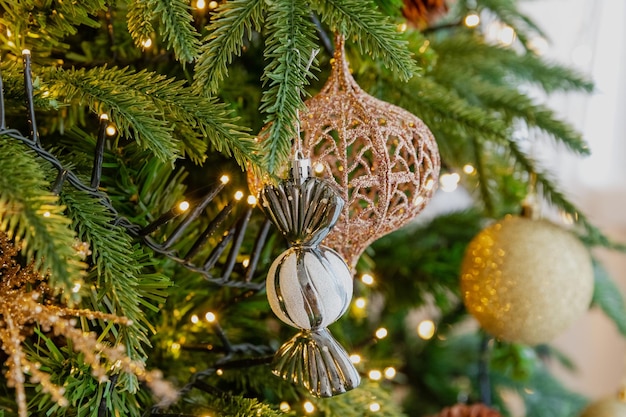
[(118, 268), (291, 38), (147, 107), (177, 29), (227, 33), (376, 35), (498, 65), (140, 20), (510, 104), (32, 217)]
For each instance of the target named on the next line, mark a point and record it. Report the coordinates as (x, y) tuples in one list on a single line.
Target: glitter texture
[(383, 159), (27, 300), (465, 410), (526, 280)]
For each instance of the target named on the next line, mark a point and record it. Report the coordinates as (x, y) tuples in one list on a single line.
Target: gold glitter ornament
[(383, 159), (526, 280)]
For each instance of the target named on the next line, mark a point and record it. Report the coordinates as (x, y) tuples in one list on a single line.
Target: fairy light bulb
[(355, 358), (245, 262), (210, 317), (375, 375), (360, 303), (469, 169), (251, 200), (175, 347), (183, 206), (224, 179), (200, 4), (146, 43), (472, 20), (111, 130), (390, 372), (381, 333), (284, 407), (213, 5), (195, 319), (449, 182), (308, 407), (367, 279), (238, 195), (426, 329), (318, 168), (76, 287), (46, 214), (374, 407)]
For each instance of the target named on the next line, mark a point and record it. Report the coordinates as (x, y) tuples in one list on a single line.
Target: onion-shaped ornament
[(309, 286), (383, 159)]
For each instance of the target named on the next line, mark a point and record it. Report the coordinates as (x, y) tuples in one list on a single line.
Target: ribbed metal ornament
[(309, 286)]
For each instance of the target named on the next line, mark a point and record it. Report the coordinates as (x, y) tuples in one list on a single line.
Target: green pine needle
[(32, 216), (177, 29)]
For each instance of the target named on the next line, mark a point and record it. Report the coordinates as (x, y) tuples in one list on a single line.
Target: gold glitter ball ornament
[(383, 159), (526, 280), (607, 407)]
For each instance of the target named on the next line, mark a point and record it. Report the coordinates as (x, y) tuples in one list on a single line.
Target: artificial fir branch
[(227, 32), (31, 215), (377, 36), (177, 28), (291, 41), (139, 21)]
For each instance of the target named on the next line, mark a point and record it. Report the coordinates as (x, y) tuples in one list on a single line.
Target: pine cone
[(464, 410), (421, 13)]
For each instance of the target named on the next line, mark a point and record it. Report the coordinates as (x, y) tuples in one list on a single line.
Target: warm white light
[(284, 407), (25, 52), (469, 169), (76, 287), (429, 184), (210, 317), (224, 179), (538, 45), (213, 5), (390, 372), (381, 333), (426, 329), (111, 130), (374, 407), (219, 372), (46, 214), (354, 358), (245, 262), (375, 375), (175, 347), (9, 33), (308, 407), (146, 43), (104, 116), (200, 4), (449, 182), (238, 195), (367, 279), (402, 27), (183, 206), (472, 20), (319, 168), (360, 302), (195, 319), (251, 200), (506, 36)]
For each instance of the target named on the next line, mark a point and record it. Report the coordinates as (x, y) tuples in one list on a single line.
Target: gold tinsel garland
[(26, 302)]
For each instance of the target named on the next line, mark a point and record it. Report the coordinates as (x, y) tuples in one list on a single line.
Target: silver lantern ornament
[(309, 286)]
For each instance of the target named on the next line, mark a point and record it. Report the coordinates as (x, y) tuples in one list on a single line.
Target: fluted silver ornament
[(309, 286)]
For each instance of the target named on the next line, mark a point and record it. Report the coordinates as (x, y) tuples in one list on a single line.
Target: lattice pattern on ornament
[(383, 159)]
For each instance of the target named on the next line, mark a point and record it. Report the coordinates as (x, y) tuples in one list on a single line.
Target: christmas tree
[(134, 138)]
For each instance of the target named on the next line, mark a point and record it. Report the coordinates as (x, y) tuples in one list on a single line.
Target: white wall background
[(591, 36)]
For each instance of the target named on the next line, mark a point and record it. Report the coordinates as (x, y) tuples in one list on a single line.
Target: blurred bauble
[(465, 410), (309, 288), (526, 280), (422, 13), (383, 159), (607, 407)]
